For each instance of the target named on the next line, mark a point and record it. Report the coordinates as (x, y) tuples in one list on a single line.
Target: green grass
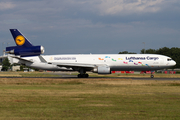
[(77, 99), (38, 74)]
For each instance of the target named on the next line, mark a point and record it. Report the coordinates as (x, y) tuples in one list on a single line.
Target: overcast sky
[(92, 26)]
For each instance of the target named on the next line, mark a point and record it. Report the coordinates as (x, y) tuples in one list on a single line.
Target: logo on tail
[(20, 40)]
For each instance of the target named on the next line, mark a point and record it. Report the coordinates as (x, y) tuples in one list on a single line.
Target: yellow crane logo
[(20, 40)]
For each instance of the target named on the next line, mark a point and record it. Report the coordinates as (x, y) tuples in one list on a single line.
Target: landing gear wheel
[(86, 75), (82, 75), (152, 76), (79, 76)]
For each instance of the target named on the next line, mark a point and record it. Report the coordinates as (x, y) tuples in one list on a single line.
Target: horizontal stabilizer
[(24, 60)]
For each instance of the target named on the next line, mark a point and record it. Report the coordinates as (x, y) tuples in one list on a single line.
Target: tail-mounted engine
[(25, 51)]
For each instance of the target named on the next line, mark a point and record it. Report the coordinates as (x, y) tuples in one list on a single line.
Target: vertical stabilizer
[(20, 39)]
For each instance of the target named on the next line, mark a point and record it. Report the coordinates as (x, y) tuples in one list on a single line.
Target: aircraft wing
[(75, 65)]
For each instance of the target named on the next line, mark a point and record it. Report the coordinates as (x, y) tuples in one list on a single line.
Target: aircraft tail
[(24, 48), (20, 39)]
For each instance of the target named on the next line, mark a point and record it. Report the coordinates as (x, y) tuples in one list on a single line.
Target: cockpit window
[(169, 59)]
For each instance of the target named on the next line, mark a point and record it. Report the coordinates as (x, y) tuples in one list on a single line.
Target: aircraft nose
[(173, 63)]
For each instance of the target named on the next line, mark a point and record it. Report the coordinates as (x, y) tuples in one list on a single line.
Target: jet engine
[(102, 70), (25, 51)]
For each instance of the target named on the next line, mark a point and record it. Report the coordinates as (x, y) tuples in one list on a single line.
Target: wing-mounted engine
[(102, 70), (25, 51)]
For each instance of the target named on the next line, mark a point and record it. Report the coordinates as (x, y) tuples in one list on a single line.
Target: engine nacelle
[(25, 51), (102, 70)]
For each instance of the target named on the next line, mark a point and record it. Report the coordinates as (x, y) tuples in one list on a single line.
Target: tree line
[(173, 52)]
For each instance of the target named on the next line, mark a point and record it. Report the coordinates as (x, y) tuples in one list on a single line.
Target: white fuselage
[(116, 62)]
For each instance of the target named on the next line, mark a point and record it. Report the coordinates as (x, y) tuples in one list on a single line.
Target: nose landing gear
[(152, 76)]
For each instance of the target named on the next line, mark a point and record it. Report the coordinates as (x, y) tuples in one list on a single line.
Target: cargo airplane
[(27, 54)]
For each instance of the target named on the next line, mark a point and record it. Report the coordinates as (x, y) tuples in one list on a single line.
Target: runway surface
[(69, 76), (104, 78)]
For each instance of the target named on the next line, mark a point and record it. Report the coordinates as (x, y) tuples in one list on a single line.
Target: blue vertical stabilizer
[(20, 39)]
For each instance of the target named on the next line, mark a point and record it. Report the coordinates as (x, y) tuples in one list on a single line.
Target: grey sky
[(92, 26)]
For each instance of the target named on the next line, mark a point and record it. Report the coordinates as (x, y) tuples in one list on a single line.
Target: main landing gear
[(82, 74)]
